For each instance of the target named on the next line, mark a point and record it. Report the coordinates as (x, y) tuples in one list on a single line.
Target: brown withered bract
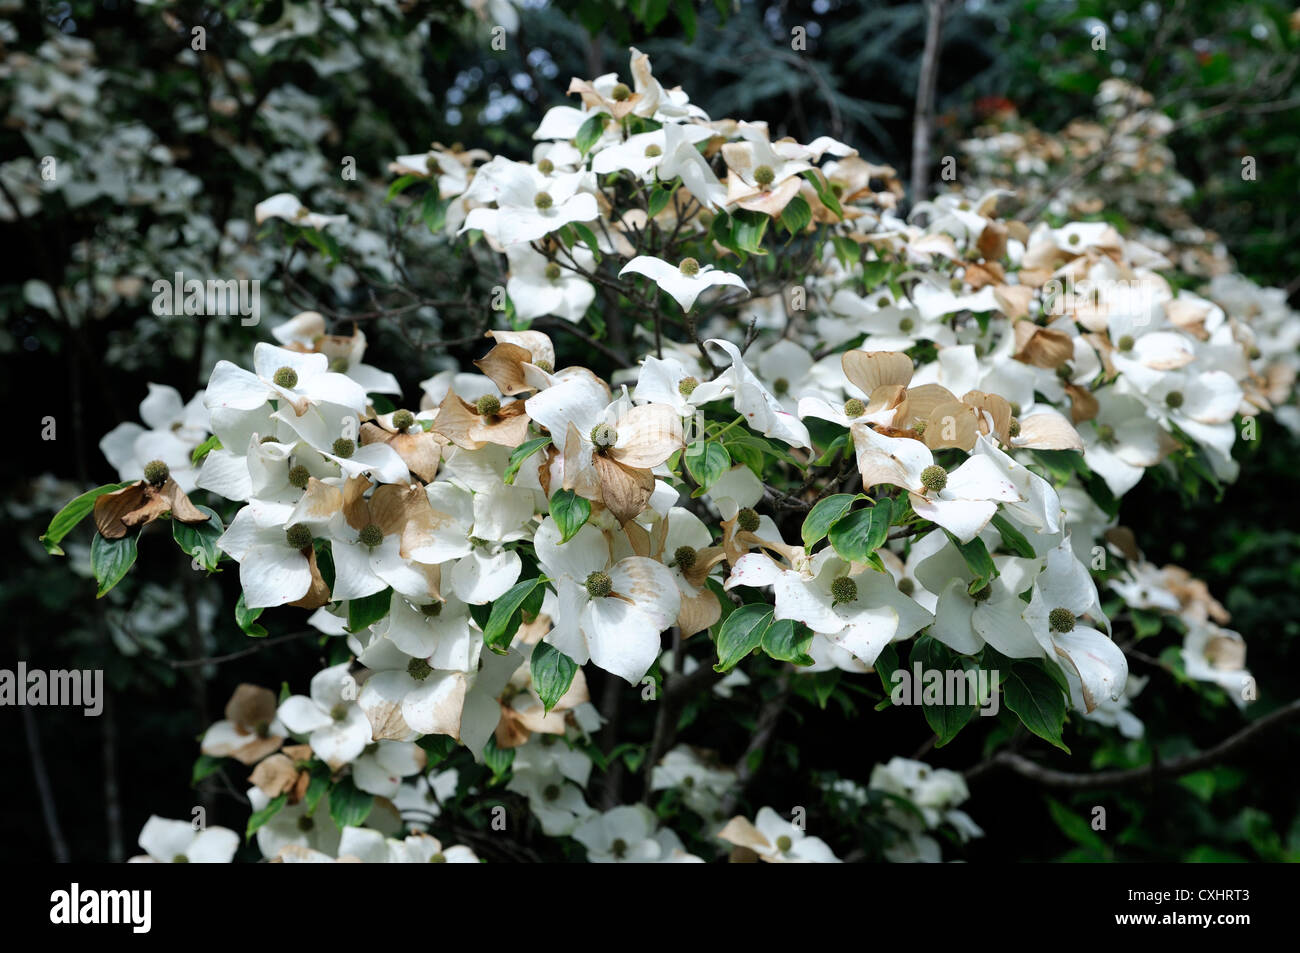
[(140, 504)]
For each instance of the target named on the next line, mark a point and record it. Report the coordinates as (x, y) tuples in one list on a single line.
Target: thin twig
[(1102, 779)]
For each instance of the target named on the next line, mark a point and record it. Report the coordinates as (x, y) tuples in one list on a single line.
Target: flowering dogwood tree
[(829, 450)]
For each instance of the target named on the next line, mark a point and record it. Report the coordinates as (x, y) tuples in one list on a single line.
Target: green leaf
[(1036, 699), (203, 449), (747, 230), (258, 818), (833, 450), (553, 673), (110, 560), (707, 462), (199, 540), (860, 533), (796, 215), (366, 611), (246, 619), (317, 786), (885, 666), (944, 720), (588, 238), (978, 561), (1076, 827), (434, 211), (824, 684), (205, 766), (497, 759), (824, 191), (570, 513), (658, 200), (1012, 538), (823, 516), (787, 641), (506, 613), (66, 519), (589, 132), (522, 453), (741, 634), (402, 184), (846, 250), (686, 16), (349, 805)]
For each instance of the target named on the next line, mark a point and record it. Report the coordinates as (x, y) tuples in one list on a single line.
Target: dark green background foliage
[(857, 82)]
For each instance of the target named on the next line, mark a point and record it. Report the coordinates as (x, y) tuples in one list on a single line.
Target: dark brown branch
[(1157, 769)]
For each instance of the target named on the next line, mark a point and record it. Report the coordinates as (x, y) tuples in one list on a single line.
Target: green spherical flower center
[(299, 476), (298, 536), (551, 792), (1174, 399), (1060, 620), (652, 151), (305, 823), (1105, 433), (403, 420), (553, 271), (1125, 343), (982, 594), (783, 843), (599, 585), (934, 478), (339, 712), (747, 520), (1073, 239), (690, 267), (543, 200), (604, 436), (618, 848), (1065, 372), (1013, 427), (433, 609), (489, 405), (180, 859), (620, 93), (781, 386), (906, 325), (438, 858), (545, 166), (371, 535), (545, 367), (844, 589), (418, 669), (882, 302), (906, 586), (157, 472), (686, 386), (764, 176), (854, 407), (285, 377), (685, 557), (343, 447)]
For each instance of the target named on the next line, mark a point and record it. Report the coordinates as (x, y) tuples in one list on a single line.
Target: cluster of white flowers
[(989, 387)]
